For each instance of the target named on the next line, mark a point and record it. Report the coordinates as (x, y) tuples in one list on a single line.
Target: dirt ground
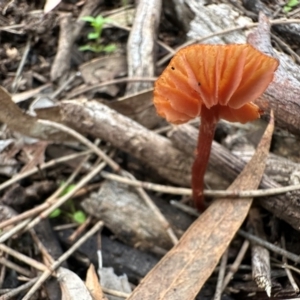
[(96, 187)]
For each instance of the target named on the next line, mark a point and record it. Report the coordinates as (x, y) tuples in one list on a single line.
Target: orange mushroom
[(213, 82)]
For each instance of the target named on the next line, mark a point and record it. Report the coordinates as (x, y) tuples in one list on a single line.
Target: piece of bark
[(98, 120), (282, 93), (215, 18), (134, 223), (141, 44), (285, 207)]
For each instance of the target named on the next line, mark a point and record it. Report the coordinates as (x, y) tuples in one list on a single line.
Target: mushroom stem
[(209, 120)]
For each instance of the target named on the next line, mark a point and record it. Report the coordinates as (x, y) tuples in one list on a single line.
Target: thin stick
[(235, 266), (222, 32), (29, 261), (269, 246), (48, 202), (210, 193), (13, 266), (114, 293), (111, 82), (79, 230), (61, 259), (84, 141), (21, 66), (14, 292), (288, 271), (43, 166), (66, 197), (220, 282), (7, 234)]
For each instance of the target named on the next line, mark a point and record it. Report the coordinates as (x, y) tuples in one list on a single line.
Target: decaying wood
[(215, 18), (282, 94), (141, 43), (285, 207), (134, 223), (98, 120)]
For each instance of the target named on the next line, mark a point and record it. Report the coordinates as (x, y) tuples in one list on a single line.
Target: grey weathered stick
[(61, 64), (94, 118), (141, 43)]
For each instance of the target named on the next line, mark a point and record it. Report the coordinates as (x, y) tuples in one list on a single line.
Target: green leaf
[(85, 48), (293, 3), (79, 217), (55, 213), (109, 48), (67, 189), (89, 19), (93, 36), (99, 21), (286, 9)]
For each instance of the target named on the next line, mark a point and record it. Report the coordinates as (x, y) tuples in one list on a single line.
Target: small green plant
[(96, 46), (289, 6), (70, 211)]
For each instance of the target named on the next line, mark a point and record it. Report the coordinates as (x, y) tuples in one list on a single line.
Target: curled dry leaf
[(72, 287), (185, 269)]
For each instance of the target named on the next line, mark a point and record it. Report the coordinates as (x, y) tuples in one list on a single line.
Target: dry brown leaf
[(184, 270), (35, 155), (15, 119), (93, 285)]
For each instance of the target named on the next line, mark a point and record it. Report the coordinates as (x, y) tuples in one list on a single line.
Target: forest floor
[(95, 186)]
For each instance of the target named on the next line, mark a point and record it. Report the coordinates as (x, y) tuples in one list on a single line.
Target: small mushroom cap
[(227, 76)]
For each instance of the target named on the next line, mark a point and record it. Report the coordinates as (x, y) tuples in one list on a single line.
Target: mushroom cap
[(227, 76)]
